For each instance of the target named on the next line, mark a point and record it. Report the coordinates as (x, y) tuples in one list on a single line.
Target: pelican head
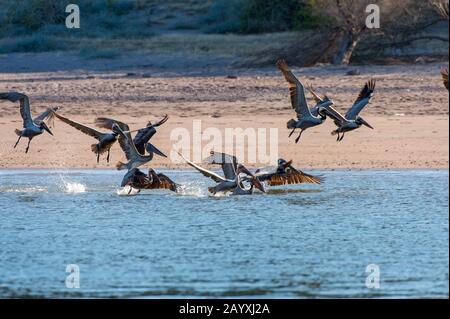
[(360, 121), (44, 126), (283, 163)]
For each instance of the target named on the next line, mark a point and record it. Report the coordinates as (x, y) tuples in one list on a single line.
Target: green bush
[(34, 14), (259, 16), (224, 17)]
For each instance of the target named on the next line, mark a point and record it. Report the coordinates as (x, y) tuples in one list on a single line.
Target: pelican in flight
[(232, 181), (134, 157), (105, 140), (143, 135), (444, 73), (136, 179), (285, 174), (305, 118), (31, 127), (351, 121)]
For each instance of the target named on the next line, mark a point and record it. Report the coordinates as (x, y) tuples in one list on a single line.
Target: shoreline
[(394, 144)]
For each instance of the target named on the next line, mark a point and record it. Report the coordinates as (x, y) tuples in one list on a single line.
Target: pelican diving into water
[(285, 174), (351, 121), (305, 118), (232, 181), (136, 179), (31, 127)]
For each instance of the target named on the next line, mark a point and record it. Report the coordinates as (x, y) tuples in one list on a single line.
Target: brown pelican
[(231, 170), (284, 173), (105, 140), (444, 73), (305, 118), (143, 135), (138, 180), (351, 121), (31, 127)]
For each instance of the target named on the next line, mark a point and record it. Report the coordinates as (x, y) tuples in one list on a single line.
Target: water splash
[(193, 189), (71, 187), (74, 188)]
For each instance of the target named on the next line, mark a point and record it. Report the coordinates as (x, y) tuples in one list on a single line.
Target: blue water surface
[(301, 241)]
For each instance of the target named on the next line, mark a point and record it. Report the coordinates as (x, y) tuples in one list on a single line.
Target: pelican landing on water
[(285, 174), (31, 127), (306, 117), (351, 121), (136, 179), (232, 180)]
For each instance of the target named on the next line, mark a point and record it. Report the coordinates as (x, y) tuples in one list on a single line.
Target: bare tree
[(347, 20)]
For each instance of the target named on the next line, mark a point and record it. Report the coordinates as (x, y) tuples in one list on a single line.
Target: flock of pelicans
[(236, 178)]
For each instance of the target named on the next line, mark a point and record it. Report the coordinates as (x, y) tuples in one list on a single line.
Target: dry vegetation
[(247, 31)]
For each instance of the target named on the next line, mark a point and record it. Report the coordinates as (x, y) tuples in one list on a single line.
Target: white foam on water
[(193, 189), (74, 188), (71, 187), (36, 189), (127, 191)]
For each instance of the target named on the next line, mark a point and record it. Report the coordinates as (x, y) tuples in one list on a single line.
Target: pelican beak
[(365, 123), (152, 149), (256, 182), (45, 127)]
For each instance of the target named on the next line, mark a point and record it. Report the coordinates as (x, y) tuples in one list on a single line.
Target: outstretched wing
[(444, 73), (297, 91), (142, 137), (160, 181), (161, 122), (334, 114), (318, 99), (48, 114), (107, 123), (25, 111), (81, 127), (215, 177), (290, 176), (363, 99), (316, 96), (227, 162)]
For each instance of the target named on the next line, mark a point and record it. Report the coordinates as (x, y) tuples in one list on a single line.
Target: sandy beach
[(409, 112)]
